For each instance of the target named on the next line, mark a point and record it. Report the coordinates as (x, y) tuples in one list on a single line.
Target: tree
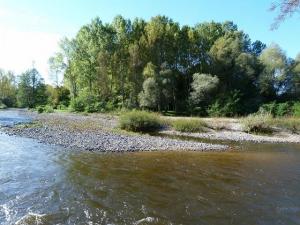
[(286, 9), (112, 64), (31, 89), (295, 80), (7, 88), (273, 77), (203, 87), (149, 97), (57, 65)]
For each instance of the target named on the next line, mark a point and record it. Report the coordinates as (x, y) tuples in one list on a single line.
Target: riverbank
[(97, 132), (231, 129)]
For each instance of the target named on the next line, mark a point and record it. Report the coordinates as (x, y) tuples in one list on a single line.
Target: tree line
[(208, 69)]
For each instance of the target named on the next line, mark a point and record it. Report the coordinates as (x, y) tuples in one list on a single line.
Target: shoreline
[(96, 133)]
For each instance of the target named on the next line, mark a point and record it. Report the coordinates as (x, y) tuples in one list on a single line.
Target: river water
[(44, 184)]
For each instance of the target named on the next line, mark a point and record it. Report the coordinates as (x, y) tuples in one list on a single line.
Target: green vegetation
[(281, 109), (2, 106), (210, 69), (289, 124), (296, 109), (189, 125), (140, 121), (258, 123)]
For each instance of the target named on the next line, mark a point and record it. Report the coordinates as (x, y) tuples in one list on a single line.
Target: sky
[(30, 29)]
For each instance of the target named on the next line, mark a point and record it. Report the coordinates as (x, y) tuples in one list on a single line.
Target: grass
[(189, 125), (140, 121), (258, 123), (265, 123), (291, 124)]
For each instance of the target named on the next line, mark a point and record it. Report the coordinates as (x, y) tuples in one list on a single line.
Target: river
[(45, 184)]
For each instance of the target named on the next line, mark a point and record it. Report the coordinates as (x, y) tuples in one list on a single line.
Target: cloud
[(18, 50)]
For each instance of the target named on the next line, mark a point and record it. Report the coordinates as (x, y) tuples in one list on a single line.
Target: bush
[(269, 108), (290, 124), (283, 109), (40, 109), (189, 125), (277, 109), (215, 110), (77, 105), (48, 109), (95, 107), (140, 121), (228, 105), (296, 109), (2, 105), (61, 107), (258, 123)]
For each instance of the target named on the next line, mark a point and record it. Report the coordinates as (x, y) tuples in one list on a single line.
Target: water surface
[(43, 184)]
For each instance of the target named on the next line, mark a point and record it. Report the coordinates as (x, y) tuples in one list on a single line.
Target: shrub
[(48, 109), (77, 105), (228, 105), (95, 107), (189, 125), (277, 109), (283, 109), (2, 105), (269, 108), (257, 123), (61, 107), (296, 109), (291, 124), (40, 109), (140, 121), (215, 110)]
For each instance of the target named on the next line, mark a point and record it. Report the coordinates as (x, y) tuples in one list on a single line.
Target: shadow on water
[(43, 184)]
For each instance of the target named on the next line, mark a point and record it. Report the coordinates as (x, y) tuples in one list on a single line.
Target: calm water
[(42, 184)]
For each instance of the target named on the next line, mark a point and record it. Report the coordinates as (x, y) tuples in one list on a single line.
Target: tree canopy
[(210, 68)]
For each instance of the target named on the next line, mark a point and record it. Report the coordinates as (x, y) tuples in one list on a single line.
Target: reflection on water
[(42, 184)]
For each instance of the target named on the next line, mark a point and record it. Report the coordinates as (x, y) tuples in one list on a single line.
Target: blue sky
[(30, 29)]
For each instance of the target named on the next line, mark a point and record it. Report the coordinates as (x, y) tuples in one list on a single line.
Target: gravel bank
[(95, 133), (281, 137)]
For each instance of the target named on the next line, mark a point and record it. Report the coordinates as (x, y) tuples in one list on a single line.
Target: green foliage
[(2, 105), (149, 97), (40, 109), (140, 121), (215, 109), (227, 106), (8, 89), (77, 105), (58, 96), (203, 86), (279, 109), (273, 76), (189, 125), (161, 66), (48, 109), (283, 109), (85, 102), (258, 123), (31, 90), (296, 109)]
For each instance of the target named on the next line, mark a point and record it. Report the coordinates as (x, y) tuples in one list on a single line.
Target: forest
[(210, 69)]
